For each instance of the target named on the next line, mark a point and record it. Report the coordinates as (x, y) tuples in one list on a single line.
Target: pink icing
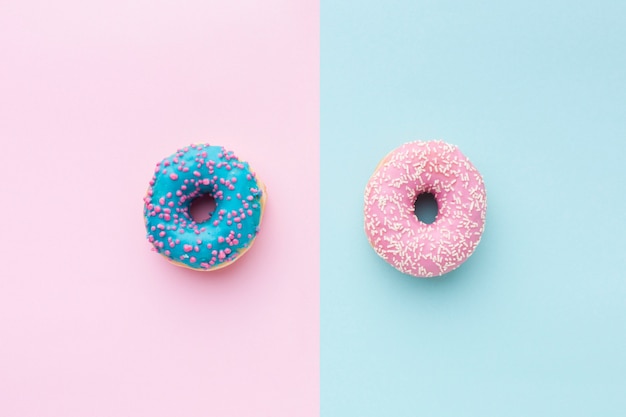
[(393, 230)]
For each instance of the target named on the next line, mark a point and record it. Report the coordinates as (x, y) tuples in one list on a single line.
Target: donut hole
[(426, 208), (201, 208)]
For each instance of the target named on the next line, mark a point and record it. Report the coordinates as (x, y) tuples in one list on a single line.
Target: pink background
[(92, 95)]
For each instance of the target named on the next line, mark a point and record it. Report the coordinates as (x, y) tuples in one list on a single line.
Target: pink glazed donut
[(393, 229)]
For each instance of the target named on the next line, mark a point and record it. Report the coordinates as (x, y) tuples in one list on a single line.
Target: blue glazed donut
[(239, 197)]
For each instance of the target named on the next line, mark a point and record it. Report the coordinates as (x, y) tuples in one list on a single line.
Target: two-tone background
[(311, 322)]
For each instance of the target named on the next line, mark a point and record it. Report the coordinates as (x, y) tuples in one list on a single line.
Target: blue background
[(534, 323)]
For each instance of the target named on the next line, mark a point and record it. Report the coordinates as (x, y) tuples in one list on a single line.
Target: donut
[(392, 228), (190, 173)]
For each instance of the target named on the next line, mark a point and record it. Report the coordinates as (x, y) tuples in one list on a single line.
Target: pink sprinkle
[(221, 255), (162, 234), (192, 259), (220, 239), (209, 246), (187, 248), (162, 201), (168, 195), (196, 173), (227, 251), (174, 176), (250, 198)]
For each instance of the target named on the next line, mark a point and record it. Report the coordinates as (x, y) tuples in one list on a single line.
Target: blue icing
[(190, 173)]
